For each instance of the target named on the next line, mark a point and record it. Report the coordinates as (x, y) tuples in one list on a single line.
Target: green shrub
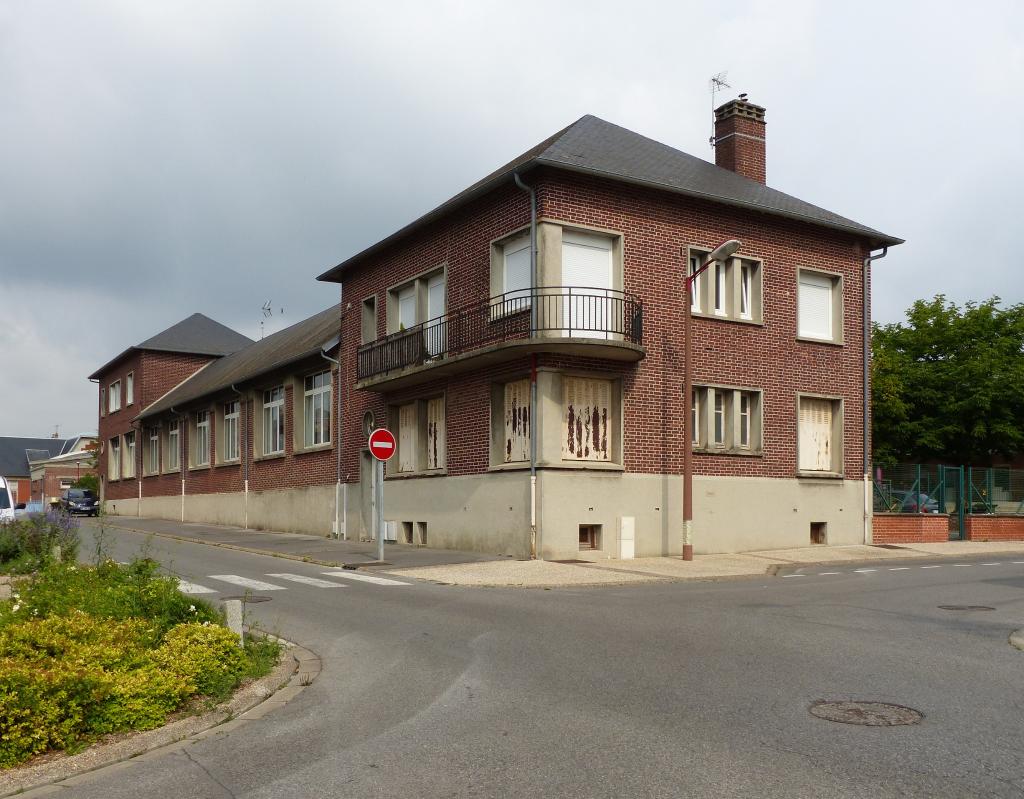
[(27, 543), (140, 700), (79, 638), (208, 656)]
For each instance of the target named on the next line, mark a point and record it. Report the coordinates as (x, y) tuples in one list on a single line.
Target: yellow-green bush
[(207, 656), (140, 700)]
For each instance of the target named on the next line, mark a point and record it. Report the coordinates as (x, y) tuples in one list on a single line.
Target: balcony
[(597, 323)]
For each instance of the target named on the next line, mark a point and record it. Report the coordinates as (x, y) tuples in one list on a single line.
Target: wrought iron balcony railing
[(549, 312)]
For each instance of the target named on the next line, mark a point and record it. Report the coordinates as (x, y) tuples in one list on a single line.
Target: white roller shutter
[(815, 302), (586, 419), (587, 268), (815, 435)]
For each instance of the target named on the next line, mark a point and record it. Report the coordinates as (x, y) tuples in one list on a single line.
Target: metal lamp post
[(720, 253)]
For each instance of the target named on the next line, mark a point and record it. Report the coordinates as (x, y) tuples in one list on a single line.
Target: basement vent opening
[(590, 536), (421, 533), (407, 532), (819, 532)]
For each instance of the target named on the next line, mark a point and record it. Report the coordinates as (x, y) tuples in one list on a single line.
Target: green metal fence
[(937, 488)]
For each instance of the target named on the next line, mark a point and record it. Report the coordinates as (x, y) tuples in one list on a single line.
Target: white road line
[(963, 564), (1018, 561), (931, 567), (193, 588), (990, 564), (861, 571), (364, 578), (794, 575), (301, 578), (822, 574), (245, 582), (899, 569)]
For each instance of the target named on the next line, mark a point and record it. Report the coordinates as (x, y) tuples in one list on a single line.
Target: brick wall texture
[(994, 528), (910, 528)]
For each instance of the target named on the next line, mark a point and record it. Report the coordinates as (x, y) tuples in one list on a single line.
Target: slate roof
[(196, 334), (277, 350), (14, 453), (593, 146)]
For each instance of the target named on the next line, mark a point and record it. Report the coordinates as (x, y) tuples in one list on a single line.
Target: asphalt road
[(664, 690)]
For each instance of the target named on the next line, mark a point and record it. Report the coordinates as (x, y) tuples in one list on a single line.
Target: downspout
[(181, 457), (866, 422), (340, 488), (243, 447), (534, 547)]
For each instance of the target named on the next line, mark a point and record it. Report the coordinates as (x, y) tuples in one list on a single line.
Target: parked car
[(80, 500), (913, 502), (26, 508), (7, 506)]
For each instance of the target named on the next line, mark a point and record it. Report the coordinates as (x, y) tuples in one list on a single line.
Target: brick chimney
[(739, 138)]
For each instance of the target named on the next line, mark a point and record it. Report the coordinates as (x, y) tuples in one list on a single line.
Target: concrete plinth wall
[(910, 528), (291, 510), (994, 528)]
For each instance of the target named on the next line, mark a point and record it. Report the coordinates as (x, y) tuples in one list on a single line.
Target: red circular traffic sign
[(382, 444)]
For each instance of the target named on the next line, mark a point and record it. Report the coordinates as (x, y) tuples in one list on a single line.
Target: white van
[(6, 503)]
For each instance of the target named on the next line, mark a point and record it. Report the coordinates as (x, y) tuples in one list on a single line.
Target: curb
[(298, 668), (334, 564), (1017, 639)]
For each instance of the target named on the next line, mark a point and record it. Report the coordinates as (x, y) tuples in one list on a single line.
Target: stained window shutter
[(815, 435), (435, 433), (517, 422), (407, 438), (815, 303), (586, 419)]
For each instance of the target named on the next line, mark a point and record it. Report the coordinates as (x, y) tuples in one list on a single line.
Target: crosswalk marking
[(194, 588), (301, 578), (245, 582), (364, 578)]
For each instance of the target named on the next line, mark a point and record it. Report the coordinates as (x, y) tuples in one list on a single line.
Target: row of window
[(729, 290), (110, 397), (315, 420), (724, 419)]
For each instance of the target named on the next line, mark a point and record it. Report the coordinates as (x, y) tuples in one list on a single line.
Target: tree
[(948, 385)]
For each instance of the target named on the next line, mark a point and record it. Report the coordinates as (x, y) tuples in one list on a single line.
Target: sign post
[(382, 446)]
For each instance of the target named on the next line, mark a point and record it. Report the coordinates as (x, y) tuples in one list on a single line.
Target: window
[(435, 433), (129, 388), (586, 409), (719, 418), (406, 307), (819, 306), (820, 435), (368, 321), (407, 438), (434, 333), (103, 401), (201, 453), (153, 450), (732, 422), (114, 459), (732, 289), (172, 454), (695, 417), (230, 443), (129, 455), (273, 421), (516, 416), (114, 397), (515, 273), (316, 413), (587, 268)]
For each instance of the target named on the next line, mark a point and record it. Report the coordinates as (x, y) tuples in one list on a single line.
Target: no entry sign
[(382, 444)]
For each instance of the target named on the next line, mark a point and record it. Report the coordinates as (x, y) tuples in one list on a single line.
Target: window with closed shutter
[(407, 438), (435, 433), (517, 422), (816, 435), (815, 302), (587, 270), (586, 419)]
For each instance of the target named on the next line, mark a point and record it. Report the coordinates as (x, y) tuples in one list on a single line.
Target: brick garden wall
[(910, 528), (994, 528)]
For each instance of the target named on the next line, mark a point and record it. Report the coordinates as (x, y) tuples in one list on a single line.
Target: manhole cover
[(868, 714), (248, 598), (965, 607)]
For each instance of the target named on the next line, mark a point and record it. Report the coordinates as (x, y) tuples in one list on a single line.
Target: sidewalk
[(296, 546), (453, 567)]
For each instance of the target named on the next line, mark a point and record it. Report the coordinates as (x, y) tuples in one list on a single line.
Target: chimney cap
[(740, 108)]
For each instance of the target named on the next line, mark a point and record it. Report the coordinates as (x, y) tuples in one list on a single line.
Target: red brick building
[(448, 325)]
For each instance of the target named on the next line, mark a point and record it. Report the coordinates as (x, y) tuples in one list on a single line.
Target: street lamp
[(720, 253)]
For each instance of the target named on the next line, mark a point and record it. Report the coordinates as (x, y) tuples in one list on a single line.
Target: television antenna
[(717, 84), (267, 313)]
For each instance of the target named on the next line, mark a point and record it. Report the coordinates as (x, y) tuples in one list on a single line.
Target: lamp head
[(724, 250)]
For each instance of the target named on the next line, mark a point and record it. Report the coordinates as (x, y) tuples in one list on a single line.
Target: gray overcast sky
[(163, 158)]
